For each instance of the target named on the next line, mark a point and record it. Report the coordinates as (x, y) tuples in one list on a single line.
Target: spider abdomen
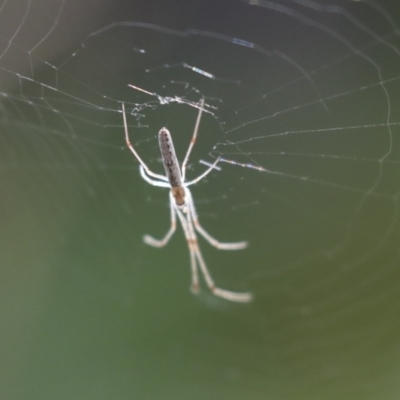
[(169, 158)]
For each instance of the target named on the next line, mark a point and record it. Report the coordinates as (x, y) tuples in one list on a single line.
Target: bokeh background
[(303, 106)]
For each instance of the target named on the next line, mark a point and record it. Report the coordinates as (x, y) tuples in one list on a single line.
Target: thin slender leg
[(132, 149), (205, 173), (195, 287), (152, 181), (195, 253), (225, 294), (214, 242), (192, 244), (193, 140), (161, 243)]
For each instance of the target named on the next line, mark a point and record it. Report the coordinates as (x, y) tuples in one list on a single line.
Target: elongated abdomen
[(171, 166), (169, 158)]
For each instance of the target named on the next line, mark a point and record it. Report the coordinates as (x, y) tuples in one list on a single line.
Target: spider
[(182, 205)]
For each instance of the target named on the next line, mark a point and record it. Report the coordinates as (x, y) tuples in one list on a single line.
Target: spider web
[(302, 105)]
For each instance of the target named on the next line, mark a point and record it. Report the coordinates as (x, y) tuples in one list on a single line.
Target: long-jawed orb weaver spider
[(182, 205)]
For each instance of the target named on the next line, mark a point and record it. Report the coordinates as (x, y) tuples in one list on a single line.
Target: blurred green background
[(305, 92)]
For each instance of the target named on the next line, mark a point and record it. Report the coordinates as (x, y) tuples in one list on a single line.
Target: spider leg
[(225, 294), (195, 253), (193, 140), (194, 287), (152, 181), (132, 149), (214, 242), (192, 244), (162, 242), (205, 173)]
